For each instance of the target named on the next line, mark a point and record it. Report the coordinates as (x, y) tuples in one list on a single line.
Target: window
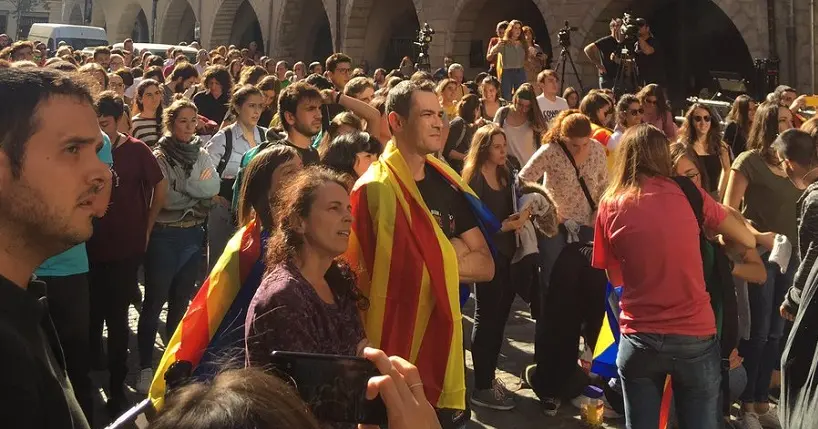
[(4, 23), (25, 24)]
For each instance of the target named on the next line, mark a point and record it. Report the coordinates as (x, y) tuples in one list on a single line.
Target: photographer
[(604, 54), (648, 56)]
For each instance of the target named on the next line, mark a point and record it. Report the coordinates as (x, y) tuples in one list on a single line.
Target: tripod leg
[(562, 74), (574, 67)]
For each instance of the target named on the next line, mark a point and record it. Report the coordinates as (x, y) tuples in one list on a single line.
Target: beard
[(45, 229), (306, 129)]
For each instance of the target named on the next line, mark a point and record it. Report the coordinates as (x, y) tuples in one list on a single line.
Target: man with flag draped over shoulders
[(418, 232)]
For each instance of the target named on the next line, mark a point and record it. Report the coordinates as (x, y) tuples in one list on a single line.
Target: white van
[(77, 36)]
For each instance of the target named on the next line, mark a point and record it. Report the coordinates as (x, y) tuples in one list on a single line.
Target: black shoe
[(116, 405)]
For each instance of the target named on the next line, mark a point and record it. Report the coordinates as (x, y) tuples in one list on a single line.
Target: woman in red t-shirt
[(647, 238)]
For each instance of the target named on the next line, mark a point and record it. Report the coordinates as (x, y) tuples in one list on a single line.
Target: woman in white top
[(523, 124), (629, 113), (226, 150), (569, 139)]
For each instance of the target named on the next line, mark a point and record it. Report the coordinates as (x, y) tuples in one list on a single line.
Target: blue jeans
[(512, 79), (644, 361), (171, 269), (761, 352)]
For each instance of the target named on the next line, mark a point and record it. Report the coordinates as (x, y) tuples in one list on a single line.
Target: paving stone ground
[(516, 353)]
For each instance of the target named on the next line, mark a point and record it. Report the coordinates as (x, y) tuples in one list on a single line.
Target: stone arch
[(473, 23), (98, 18), (726, 36), (133, 22), (379, 32), (304, 32), (75, 17), (236, 20), (178, 22)]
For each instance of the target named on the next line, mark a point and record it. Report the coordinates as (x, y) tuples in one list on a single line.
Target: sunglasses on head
[(698, 118), (634, 112)]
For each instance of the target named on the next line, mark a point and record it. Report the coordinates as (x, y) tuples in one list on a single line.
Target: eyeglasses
[(344, 71), (634, 112), (692, 174), (698, 118)]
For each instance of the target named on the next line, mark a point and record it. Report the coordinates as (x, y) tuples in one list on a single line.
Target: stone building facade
[(378, 30)]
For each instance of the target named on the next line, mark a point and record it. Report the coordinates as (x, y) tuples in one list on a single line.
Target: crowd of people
[(371, 207)]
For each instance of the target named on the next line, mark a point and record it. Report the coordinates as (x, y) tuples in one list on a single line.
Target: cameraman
[(604, 54), (648, 57)]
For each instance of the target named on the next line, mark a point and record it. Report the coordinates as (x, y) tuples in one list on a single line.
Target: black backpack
[(722, 291), (228, 147)]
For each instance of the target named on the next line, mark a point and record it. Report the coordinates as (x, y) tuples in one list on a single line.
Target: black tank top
[(712, 167)]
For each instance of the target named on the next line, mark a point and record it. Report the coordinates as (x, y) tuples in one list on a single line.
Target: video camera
[(564, 35), (630, 32), (423, 41)]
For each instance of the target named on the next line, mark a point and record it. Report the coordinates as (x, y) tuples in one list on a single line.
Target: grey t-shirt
[(513, 56), (770, 200)]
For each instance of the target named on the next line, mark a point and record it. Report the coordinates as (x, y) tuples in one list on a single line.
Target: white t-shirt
[(520, 141), (550, 109)]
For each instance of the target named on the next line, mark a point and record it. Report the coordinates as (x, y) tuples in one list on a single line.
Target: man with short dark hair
[(102, 56), (380, 78), (52, 186), (339, 67), (299, 106), (415, 211), (183, 76)]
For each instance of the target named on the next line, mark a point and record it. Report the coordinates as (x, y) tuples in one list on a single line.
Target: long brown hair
[(642, 152), (764, 131), (510, 29), (479, 154), (740, 114), (255, 196), (535, 117), (654, 90), (295, 202), (248, 397), (569, 123), (687, 134)]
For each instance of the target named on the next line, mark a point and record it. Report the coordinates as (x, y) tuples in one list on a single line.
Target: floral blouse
[(560, 180)]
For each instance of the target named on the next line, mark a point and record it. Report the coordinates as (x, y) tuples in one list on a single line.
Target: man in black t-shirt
[(649, 57), (604, 54), (300, 108), (416, 121)]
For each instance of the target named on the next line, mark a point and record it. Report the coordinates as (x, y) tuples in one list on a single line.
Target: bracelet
[(338, 98)]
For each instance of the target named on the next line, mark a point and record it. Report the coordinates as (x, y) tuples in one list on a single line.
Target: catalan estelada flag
[(408, 270), (213, 325)]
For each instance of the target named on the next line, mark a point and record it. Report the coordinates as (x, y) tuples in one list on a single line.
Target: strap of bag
[(696, 201), (228, 150), (579, 178)]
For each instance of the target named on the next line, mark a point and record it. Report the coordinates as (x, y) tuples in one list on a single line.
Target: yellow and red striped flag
[(408, 269)]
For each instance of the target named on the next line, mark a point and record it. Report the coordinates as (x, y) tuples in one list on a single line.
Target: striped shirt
[(146, 130)]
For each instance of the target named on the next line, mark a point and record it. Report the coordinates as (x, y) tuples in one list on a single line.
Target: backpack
[(228, 147), (722, 291)]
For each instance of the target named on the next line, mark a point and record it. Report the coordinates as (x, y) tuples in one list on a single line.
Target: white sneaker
[(750, 421), (143, 383), (770, 419)]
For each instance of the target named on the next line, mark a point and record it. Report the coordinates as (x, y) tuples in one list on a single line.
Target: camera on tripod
[(423, 41), (564, 35), (630, 33)]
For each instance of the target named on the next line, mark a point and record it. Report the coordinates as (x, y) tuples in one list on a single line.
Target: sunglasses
[(634, 112), (698, 118)]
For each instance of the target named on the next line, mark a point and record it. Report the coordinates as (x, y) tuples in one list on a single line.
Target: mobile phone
[(334, 387)]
